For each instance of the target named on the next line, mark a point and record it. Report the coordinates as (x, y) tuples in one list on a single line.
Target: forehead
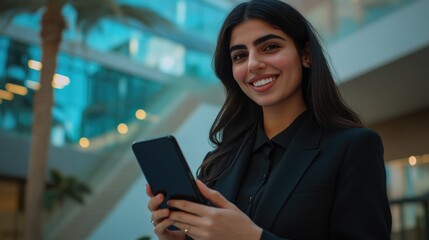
[(249, 30)]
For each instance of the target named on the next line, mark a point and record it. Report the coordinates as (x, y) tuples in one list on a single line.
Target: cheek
[(287, 62), (239, 73)]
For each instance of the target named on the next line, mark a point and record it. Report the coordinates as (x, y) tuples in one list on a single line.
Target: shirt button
[(250, 199)]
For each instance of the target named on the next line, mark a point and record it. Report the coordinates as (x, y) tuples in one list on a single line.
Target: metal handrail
[(419, 199)]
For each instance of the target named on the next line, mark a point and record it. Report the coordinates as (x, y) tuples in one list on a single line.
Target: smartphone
[(166, 169)]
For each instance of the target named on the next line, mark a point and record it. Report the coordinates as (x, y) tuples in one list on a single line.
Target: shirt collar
[(261, 137), (283, 138)]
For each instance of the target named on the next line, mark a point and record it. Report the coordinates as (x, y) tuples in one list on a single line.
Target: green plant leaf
[(144, 238)]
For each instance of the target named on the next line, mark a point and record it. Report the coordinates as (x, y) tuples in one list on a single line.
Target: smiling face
[(266, 65)]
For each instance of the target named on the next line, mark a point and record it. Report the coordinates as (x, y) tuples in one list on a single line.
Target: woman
[(291, 160)]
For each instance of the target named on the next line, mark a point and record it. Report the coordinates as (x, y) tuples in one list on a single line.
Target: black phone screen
[(166, 169)]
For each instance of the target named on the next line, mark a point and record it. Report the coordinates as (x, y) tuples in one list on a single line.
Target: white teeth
[(262, 82)]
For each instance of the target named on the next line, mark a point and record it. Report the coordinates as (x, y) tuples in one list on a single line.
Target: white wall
[(130, 219)]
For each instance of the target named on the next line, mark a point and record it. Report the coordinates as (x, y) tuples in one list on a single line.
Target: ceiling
[(393, 90)]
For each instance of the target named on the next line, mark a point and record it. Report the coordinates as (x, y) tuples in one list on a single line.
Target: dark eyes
[(267, 48), (238, 56), (271, 47)]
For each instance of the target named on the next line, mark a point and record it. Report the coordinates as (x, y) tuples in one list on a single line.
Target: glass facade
[(90, 99)]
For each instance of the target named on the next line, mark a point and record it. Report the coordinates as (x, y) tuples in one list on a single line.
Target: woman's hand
[(225, 221), (160, 218)]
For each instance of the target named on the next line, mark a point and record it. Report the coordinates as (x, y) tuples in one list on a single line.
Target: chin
[(265, 103)]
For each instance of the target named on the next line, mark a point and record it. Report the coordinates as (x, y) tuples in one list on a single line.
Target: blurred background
[(123, 80)]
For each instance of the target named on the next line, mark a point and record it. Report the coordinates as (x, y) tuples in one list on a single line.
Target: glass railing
[(408, 189), (337, 19)]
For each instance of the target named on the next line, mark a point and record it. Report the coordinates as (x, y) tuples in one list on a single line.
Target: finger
[(149, 191), (188, 207), (161, 227), (160, 215), (214, 196), (180, 216), (154, 202), (190, 230)]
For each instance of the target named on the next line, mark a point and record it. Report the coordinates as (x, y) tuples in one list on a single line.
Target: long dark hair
[(240, 115)]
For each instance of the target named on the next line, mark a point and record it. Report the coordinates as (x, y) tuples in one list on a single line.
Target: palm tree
[(64, 187), (52, 27)]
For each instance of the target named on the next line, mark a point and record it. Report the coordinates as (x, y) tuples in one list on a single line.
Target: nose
[(255, 63)]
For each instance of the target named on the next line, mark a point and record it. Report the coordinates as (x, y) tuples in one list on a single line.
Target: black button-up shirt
[(265, 157)]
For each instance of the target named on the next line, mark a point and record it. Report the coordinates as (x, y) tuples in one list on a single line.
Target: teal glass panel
[(90, 99)]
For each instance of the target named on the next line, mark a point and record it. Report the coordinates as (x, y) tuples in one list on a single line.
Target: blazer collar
[(298, 157)]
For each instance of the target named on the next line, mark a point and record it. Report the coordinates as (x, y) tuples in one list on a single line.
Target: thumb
[(214, 196)]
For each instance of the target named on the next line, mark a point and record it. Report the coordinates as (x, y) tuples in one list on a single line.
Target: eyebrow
[(257, 41)]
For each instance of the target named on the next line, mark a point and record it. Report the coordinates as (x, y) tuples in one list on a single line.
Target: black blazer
[(332, 185)]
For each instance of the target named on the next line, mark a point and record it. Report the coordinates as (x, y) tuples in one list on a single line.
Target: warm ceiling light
[(84, 142), (32, 85), (412, 160), (36, 65), (17, 89), (122, 128), (141, 114), (6, 95), (60, 81)]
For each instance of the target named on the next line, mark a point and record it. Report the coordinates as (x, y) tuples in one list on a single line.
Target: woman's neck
[(277, 119)]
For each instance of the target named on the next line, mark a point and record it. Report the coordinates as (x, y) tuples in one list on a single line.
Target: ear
[(306, 56)]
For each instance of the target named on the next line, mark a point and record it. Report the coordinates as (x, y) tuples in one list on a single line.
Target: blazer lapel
[(229, 184), (298, 157)]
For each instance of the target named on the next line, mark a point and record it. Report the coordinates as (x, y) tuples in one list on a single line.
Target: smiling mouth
[(263, 82)]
